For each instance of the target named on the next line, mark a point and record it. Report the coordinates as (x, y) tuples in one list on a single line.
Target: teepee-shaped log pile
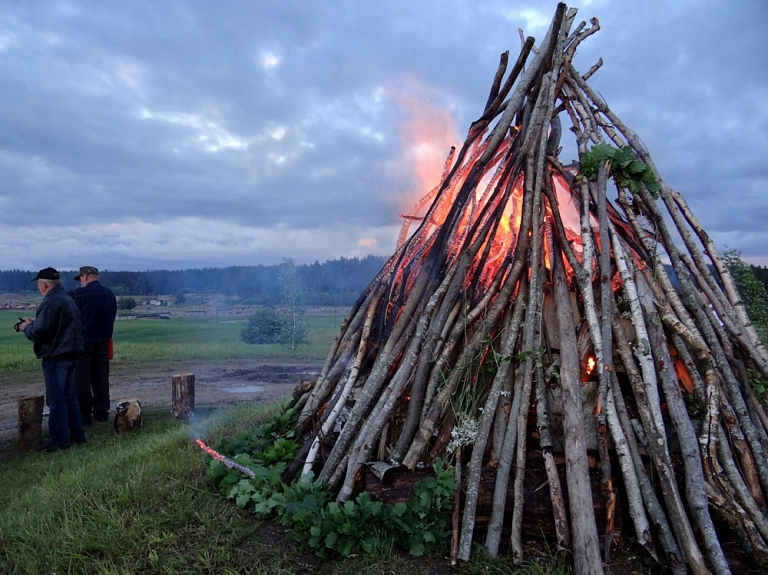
[(473, 342)]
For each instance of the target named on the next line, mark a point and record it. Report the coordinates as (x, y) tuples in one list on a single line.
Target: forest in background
[(335, 282)]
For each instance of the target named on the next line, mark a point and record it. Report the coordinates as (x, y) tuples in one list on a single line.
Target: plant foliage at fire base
[(314, 519)]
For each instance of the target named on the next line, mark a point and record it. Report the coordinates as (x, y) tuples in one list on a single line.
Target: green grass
[(141, 503), (155, 340), (138, 503)]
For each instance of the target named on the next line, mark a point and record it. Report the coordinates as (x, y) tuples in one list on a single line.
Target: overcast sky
[(159, 134)]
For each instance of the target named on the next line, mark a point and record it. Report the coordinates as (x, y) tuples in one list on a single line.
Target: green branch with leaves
[(622, 165)]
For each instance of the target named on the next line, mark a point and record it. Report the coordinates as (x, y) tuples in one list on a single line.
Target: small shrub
[(268, 326), (126, 303), (263, 327)]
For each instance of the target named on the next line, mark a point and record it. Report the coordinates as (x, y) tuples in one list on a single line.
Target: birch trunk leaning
[(518, 271)]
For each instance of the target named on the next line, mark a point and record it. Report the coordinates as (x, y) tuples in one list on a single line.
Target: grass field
[(177, 339)]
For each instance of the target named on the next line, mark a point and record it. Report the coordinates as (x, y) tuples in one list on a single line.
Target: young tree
[(292, 295)]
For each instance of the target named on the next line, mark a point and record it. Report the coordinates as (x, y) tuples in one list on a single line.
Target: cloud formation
[(173, 134)]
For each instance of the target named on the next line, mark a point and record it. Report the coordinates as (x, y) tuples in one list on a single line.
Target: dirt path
[(216, 384)]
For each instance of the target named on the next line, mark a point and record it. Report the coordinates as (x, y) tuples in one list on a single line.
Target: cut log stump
[(183, 395), (30, 422)]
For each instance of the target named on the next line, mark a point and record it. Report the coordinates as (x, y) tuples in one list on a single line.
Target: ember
[(225, 460)]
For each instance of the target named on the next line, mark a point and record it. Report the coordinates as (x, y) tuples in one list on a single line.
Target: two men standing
[(71, 333), (98, 308)]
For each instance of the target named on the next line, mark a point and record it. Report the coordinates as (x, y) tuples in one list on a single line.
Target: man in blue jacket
[(58, 341), (98, 308)]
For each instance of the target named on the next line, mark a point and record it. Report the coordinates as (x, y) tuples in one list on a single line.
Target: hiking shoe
[(77, 441)]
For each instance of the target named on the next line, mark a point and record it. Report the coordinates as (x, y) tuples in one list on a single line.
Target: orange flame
[(681, 371), (589, 368)]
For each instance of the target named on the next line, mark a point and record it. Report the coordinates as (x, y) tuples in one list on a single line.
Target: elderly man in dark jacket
[(58, 341), (98, 308)]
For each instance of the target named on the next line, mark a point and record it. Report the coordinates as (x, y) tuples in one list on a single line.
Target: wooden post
[(183, 395), (30, 422)]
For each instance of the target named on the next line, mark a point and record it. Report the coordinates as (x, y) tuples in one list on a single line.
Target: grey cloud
[(278, 117)]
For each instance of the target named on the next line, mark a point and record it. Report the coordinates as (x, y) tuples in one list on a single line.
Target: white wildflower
[(463, 433)]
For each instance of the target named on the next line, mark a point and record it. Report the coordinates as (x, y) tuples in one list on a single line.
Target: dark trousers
[(92, 375), (64, 420)]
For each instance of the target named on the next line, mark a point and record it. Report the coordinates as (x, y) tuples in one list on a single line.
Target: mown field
[(178, 339)]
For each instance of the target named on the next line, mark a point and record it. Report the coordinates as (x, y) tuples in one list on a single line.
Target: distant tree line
[(334, 282)]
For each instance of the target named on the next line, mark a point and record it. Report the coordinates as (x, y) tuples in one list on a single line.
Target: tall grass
[(138, 503)]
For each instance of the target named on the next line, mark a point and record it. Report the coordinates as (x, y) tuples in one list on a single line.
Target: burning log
[(230, 464), (519, 271)]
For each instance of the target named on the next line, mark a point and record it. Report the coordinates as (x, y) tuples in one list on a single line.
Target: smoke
[(427, 130)]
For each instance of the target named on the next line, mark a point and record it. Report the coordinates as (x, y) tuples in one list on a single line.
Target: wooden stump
[(183, 395), (30, 422)]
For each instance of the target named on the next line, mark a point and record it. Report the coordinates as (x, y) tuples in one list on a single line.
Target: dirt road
[(216, 384)]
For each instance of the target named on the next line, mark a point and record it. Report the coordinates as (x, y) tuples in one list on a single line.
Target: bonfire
[(574, 317)]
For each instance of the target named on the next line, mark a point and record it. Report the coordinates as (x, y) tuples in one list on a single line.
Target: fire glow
[(225, 460), (590, 367)]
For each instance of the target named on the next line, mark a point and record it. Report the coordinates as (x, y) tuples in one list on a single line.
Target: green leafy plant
[(536, 354), (281, 450), (623, 165), (751, 289), (224, 478), (760, 386), (347, 527), (328, 527), (306, 508), (260, 439), (421, 525)]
